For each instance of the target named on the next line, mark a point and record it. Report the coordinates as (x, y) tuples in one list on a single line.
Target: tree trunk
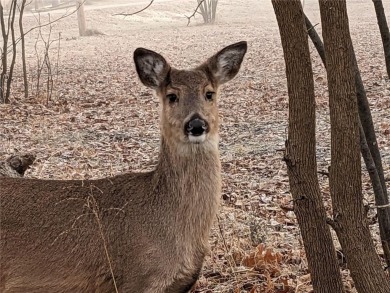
[(81, 17), (369, 147), (373, 161), (22, 40), (350, 221), (4, 55), (384, 29), (300, 155), (13, 60)]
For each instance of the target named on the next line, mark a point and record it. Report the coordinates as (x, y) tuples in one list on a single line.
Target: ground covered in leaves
[(100, 121)]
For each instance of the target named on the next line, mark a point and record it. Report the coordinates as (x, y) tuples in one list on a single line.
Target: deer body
[(136, 232)]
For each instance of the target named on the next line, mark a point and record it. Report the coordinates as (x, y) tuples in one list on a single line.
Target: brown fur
[(151, 228)]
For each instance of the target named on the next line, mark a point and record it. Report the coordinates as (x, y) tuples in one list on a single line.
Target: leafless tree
[(208, 10), (369, 147), (300, 153), (11, 40), (349, 216)]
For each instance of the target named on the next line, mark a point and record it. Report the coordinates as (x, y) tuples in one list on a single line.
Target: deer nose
[(196, 126)]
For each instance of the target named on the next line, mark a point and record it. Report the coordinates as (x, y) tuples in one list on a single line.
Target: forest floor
[(100, 121)]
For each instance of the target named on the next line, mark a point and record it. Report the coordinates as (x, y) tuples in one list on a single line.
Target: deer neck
[(190, 163), (192, 175)]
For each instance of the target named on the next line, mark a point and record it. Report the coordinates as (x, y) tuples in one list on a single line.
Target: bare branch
[(323, 173), (50, 22), (195, 11), (128, 14)]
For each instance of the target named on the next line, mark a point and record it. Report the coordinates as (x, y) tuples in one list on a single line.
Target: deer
[(144, 232)]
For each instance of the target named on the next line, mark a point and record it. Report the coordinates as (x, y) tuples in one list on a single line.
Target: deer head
[(188, 98)]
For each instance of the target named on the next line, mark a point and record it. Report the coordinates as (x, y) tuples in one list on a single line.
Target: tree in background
[(11, 39), (208, 10), (81, 17)]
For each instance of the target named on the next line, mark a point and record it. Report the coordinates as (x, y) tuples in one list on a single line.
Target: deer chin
[(197, 139)]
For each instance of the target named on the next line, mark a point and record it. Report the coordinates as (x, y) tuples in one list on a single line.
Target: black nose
[(196, 126)]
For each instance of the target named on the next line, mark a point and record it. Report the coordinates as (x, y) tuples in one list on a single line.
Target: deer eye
[(209, 96), (172, 98)]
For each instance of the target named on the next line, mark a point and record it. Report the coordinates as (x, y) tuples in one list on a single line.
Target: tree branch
[(195, 11), (129, 14)]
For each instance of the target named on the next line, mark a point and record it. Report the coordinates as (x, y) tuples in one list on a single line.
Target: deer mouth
[(197, 138)]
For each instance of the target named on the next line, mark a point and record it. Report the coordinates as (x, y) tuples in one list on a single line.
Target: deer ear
[(226, 63), (151, 67)]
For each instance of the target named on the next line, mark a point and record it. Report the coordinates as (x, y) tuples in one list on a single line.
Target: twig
[(128, 14), (380, 206), (58, 54), (93, 205), (312, 27), (323, 173), (193, 14), (229, 258)]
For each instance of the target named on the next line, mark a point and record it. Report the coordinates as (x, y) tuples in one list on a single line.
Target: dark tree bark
[(384, 30), (349, 222), (369, 147), (300, 155)]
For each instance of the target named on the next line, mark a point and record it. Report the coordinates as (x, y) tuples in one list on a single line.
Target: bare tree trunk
[(300, 155), (350, 221), (25, 80), (81, 17), (384, 30), (369, 147), (11, 23), (37, 4), (4, 55), (214, 10)]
